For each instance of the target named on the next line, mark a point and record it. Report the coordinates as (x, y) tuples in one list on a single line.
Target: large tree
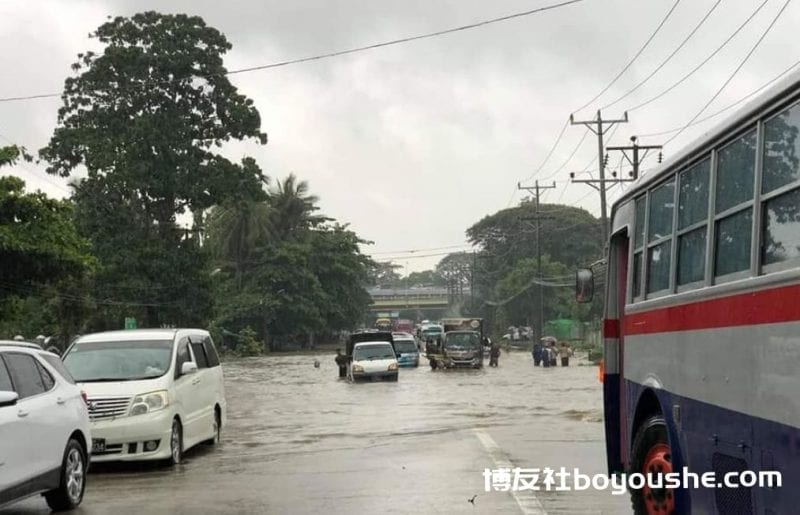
[(143, 118)]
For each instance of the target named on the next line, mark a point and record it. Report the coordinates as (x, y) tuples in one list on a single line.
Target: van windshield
[(377, 351), (118, 361), (405, 346), (462, 341)]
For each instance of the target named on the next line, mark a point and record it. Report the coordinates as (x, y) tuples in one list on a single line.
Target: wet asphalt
[(300, 440)]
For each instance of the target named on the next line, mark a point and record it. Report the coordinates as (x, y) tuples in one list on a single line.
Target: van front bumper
[(387, 375), (132, 438)]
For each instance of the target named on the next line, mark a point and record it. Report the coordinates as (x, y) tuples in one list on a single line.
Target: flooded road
[(300, 440)]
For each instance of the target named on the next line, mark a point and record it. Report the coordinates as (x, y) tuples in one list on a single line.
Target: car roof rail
[(25, 345)]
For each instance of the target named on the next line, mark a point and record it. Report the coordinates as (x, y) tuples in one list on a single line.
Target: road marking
[(529, 503)]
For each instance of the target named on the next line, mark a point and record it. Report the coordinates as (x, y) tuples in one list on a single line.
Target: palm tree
[(236, 230), (293, 207)]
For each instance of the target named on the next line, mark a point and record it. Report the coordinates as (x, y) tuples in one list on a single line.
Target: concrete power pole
[(539, 326), (634, 159), (599, 127)]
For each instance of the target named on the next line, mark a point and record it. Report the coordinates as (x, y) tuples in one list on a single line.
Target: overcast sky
[(412, 144)]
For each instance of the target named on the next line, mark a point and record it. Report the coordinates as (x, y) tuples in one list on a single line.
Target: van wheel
[(176, 443), (69, 493), (652, 456), (217, 429)]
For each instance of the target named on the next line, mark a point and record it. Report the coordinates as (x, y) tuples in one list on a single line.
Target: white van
[(373, 360), (152, 393)]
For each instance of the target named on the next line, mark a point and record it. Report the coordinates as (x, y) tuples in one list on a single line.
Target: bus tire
[(652, 455)]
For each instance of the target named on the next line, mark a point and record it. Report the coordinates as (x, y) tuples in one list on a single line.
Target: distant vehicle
[(405, 347), (462, 344), (383, 324), (152, 393), (404, 326), (373, 360), (44, 423), (431, 331)]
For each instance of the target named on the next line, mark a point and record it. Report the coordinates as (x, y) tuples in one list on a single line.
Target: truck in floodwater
[(462, 345)]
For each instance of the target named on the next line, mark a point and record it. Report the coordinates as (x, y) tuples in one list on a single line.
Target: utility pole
[(539, 326), (599, 127), (634, 159)]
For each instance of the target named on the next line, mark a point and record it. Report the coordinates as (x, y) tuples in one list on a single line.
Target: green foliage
[(427, 278), (38, 242), (569, 236), (519, 291), (384, 275), (285, 270), (142, 117), (249, 344)]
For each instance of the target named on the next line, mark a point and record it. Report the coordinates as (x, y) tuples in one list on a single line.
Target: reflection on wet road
[(299, 440)]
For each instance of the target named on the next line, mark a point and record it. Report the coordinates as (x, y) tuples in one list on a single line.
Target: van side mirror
[(189, 367), (8, 399), (584, 285)]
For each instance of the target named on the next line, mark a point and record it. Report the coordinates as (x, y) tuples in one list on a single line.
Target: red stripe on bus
[(610, 328), (761, 307)]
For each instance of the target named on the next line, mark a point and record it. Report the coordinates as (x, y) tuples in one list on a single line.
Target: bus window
[(780, 223), (734, 192), (659, 236), (781, 229), (781, 150), (735, 169), (733, 243), (692, 223)]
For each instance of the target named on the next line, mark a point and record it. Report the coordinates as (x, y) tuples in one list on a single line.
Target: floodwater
[(304, 409), (300, 440)]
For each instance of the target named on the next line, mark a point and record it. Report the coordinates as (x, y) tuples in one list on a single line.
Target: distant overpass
[(394, 299)]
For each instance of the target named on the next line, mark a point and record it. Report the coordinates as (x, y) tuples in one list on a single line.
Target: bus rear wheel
[(652, 457)]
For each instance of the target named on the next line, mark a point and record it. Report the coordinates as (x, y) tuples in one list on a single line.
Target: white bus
[(702, 314)]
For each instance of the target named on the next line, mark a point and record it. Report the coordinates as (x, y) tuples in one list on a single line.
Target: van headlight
[(358, 368), (149, 402), (392, 367)]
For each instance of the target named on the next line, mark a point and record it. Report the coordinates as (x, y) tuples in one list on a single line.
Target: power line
[(706, 60), (401, 258), (613, 81), (511, 198), (572, 154), (40, 291), (357, 49), (44, 176), (549, 154), (736, 71), (635, 57), (531, 283), (668, 58), (411, 251), (728, 107)]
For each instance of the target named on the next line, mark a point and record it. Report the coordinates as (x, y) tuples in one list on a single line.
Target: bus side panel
[(777, 448), (611, 407), (612, 397)]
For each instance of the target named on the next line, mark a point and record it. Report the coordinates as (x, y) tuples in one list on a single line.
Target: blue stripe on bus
[(705, 430), (611, 407)]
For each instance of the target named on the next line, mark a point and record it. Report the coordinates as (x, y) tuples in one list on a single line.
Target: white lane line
[(529, 503)]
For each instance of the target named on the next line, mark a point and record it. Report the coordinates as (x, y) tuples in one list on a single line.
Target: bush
[(249, 344)]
